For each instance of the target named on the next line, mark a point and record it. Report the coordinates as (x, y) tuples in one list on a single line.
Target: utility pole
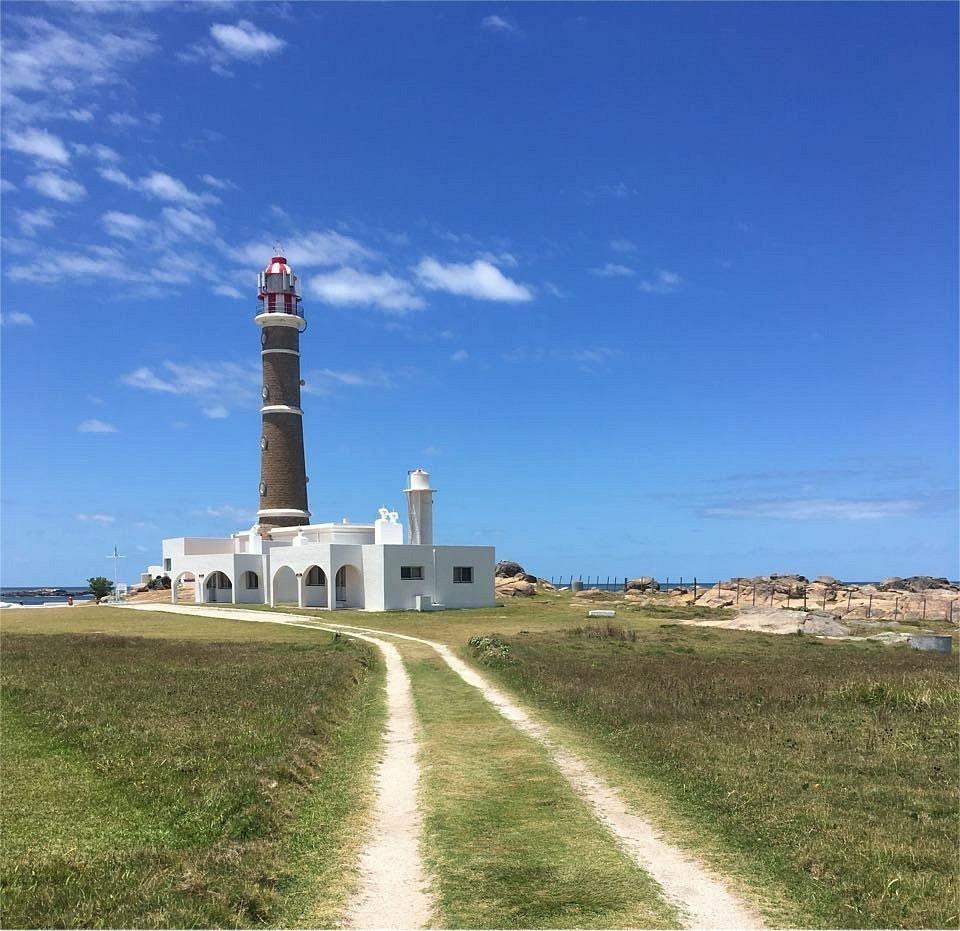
[(116, 557)]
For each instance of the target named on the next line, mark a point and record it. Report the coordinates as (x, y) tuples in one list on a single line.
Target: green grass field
[(163, 770), (827, 769), (180, 771)]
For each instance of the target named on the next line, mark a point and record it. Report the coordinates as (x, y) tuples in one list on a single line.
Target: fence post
[(788, 594), (754, 593), (923, 616), (896, 606), (849, 596), (804, 597), (823, 603), (694, 588), (738, 591), (870, 605)]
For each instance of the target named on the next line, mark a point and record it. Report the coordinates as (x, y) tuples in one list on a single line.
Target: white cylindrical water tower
[(420, 507)]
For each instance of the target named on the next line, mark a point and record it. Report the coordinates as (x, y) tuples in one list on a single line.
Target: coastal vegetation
[(180, 772)]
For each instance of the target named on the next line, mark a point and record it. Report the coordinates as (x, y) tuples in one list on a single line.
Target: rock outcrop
[(644, 583), (511, 580)]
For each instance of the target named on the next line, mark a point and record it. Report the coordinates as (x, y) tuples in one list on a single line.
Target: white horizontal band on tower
[(282, 512), (276, 318), (280, 409), (289, 352)]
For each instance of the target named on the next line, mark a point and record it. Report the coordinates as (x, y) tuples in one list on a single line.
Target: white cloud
[(30, 221), (124, 225), (185, 222), (228, 290), (97, 518), (160, 185), (57, 187), (221, 184), (216, 412), (230, 511), (461, 355), (817, 509), (40, 144), (95, 426), (7, 186), (16, 318), (306, 250), (664, 283), (324, 381), (216, 385), (347, 286), (480, 280), (124, 120), (613, 270), (46, 67), (244, 40), (497, 24), (102, 153), (622, 245)]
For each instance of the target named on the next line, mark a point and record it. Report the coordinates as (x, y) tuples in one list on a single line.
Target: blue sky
[(661, 289)]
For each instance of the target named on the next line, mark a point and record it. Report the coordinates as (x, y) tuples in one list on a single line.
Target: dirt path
[(393, 891), (695, 890), (685, 881)]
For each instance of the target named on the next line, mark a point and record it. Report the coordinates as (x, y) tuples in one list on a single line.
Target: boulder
[(506, 569), (914, 583), (516, 587), (825, 580), (644, 583)]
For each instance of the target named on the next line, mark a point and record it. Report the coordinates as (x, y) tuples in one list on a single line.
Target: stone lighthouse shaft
[(283, 477)]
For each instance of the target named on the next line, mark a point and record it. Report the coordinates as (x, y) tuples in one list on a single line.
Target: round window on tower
[(265, 393), (263, 338), (263, 442), (263, 489)]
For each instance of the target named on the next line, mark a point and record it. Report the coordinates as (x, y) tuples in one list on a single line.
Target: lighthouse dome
[(278, 266)]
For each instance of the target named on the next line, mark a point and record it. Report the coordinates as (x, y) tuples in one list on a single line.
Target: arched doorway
[(181, 592), (284, 587), (217, 588), (314, 587), (349, 587)]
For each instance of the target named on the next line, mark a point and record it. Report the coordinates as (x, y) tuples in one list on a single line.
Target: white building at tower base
[(365, 567)]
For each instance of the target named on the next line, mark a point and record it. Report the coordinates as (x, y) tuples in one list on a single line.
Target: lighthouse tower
[(283, 477)]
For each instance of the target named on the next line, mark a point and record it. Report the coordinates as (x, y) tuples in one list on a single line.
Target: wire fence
[(846, 600)]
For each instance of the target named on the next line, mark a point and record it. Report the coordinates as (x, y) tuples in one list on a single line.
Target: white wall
[(476, 594)]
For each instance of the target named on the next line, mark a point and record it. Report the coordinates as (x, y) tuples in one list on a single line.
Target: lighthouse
[(283, 477)]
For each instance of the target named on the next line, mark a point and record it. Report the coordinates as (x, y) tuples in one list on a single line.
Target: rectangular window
[(411, 573), (167, 565), (463, 573)]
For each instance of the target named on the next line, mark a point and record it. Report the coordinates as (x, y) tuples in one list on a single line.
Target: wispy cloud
[(221, 184), (348, 286), (665, 282), (622, 245), (30, 221), (313, 249), (497, 24), (613, 270), (817, 509), (160, 185), (234, 42), (97, 518), (57, 187), (461, 355), (230, 511), (228, 290), (219, 386), (124, 225), (38, 143), (95, 426), (15, 318), (479, 279)]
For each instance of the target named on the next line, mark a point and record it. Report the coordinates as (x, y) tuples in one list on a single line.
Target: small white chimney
[(420, 507)]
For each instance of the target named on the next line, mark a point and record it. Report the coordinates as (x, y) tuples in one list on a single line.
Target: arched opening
[(285, 586), (217, 587), (251, 581), (315, 587), (349, 587), (183, 589)]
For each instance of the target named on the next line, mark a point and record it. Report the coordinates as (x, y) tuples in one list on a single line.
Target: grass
[(826, 769), (186, 772), (508, 842)]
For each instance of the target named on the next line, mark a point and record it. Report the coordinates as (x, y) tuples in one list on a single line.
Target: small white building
[(367, 567)]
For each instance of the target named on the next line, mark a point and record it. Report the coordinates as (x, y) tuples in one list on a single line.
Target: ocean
[(31, 595)]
